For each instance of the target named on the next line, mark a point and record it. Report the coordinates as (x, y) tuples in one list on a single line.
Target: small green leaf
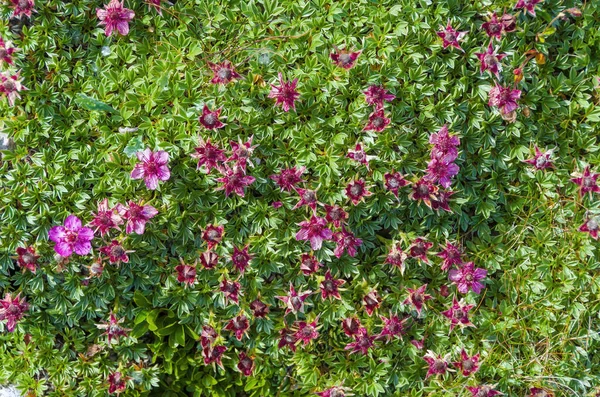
[(135, 145), (89, 103)]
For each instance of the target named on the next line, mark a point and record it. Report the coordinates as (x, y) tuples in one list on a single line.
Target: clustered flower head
[(224, 72), (27, 258), (490, 60), (10, 86), (285, 93), (6, 52), (115, 16), (451, 36), (344, 59), (541, 160), (113, 328), (22, 7), (12, 309)]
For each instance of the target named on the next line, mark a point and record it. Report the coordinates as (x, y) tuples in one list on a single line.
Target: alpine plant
[(12, 310), (27, 258), (294, 301), (467, 277), (438, 365), (450, 36), (541, 160), (223, 73), (467, 365), (345, 59), (588, 182), (329, 286), (136, 216), (72, 237), (377, 121), (10, 86), (115, 17), (152, 168), (287, 179), (6, 52), (490, 60), (362, 342), (113, 329), (314, 230), (285, 93), (458, 314), (376, 95), (210, 118), (417, 297), (208, 155)]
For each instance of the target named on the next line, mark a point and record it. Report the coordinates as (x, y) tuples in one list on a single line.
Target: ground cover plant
[(297, 198)]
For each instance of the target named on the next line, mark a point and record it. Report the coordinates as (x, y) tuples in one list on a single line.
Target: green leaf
[(133, 146), (89, 103)]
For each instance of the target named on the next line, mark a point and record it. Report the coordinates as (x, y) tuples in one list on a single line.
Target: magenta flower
[(314, 230), (113, 329), (332, 392), (344, 59), (351, 326), (241, 258), (213, 235), (335, 215), (445, 146), (396, 257), (259, 308), (451, 256), (356, 191), (208, 336), (239, 325), (294, 301), (137, 216), (458, 314), (209, 259), (6, 51), (285, 94), (359, 155), (208, 155), (223, 73), (394, 181), (307, 331), (115, 252), (156, 5), (417, 297), (504, 98), (22, 7), (210, 118), (393, 327), (346, 241), (483, 391), (241, 152), (27, 258), (509, 22), (329, 286), (10, 86), (377, 121), (587, 181), (287, 179), (423, 190), (490, 60), (287, 337), (12, 309), (277, 204), (186, 274), (419, 249), (450, 36), (107, 218), (234, 181), (371, 301), (71, 237), (152, 168), (541, 160), (231, 289), (528, 5), (591, 226), (441, 172), (440, 200), (309, 264), (493, 27), (308, 198), (376, 95), (467, 365), (362, 342), (245, 364), (117, 383), (213, 355), (538, 392), (115, 17), (467, 277), (419, 344), (438, 365)]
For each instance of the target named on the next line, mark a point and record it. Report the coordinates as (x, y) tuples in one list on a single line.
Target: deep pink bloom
[(309, 264), (423, 190), (308, 198), (241, 258), (186, 273), (113, 329), (451, 36), (377, 121), (314, 230), (419, 344), (376, 95), (490, 60), (210, 118), (213, 355), (239, 325), (371, 301), (136, 216), (541, 160), (346, 241), (467, 277), (351, 325), (483, 391), (362, 342), (27, 258), (287, 337), (467, 365), (156, 5), (10, 86), (259, 308), (208, 336), (223, 72), (231, 290), (393, 327), (277, 204), (241, 152), (107, 218), (335, 215), (356, 190), (587, 181), (245, 364), (528, 5), (213, 235), (344, 59), (288, 178), (509, 22), (591, 226), (504, 98), (439, 200), (438, 365), (115, 17), (538, 392), (152, 167), (285, 94), (419, 249), (451, 256), (209, 259), (359, 155), (71, 237), (208, 155), (294, 301), (394, 181), (307, 331), (458, 314), (12, 309), (234, 181), (332, 392), (115, 252), (417, 297), (444, 290), (95, 269), (22, 7), (329, 286), (441, 172), (493, 27), (117, 383), (396, 257), (445, 146), (6, 52)]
